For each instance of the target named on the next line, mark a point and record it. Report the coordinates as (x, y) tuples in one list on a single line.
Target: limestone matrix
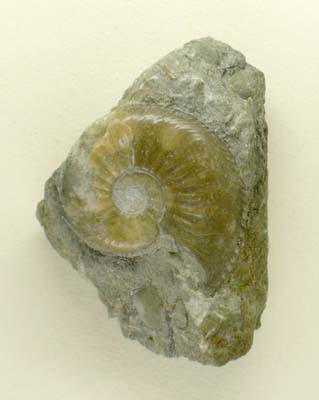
[(162, 205)]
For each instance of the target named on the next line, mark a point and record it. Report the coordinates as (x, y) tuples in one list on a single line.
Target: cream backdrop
[(64, 63)]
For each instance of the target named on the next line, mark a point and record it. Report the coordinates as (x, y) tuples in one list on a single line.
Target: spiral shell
[(148, 171)]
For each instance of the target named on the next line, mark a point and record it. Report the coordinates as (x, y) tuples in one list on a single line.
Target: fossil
[(162, 205)]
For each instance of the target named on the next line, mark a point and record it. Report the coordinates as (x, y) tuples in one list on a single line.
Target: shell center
[(131, 199), (137, 191)]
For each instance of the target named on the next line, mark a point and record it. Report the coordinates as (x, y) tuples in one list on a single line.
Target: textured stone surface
[(197, 292)]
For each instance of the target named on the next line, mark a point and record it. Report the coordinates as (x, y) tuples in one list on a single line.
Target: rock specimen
[(161, 204)]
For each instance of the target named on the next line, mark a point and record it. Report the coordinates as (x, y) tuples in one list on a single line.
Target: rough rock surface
[(162, 297)]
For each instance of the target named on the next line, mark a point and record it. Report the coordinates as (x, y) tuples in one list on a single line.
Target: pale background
[(64, 63)]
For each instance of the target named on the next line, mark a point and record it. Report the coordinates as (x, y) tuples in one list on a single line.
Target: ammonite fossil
[(162, 205), (151, 170)]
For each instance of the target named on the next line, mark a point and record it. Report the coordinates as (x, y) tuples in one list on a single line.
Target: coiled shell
[(144, 171)]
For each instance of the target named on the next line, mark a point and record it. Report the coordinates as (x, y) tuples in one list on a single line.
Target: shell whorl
[(149, 171)]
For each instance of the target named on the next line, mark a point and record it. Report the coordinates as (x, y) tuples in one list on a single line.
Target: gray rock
[(168, 295)]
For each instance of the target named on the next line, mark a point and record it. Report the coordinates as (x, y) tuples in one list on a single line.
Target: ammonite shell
[(151, 170)]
